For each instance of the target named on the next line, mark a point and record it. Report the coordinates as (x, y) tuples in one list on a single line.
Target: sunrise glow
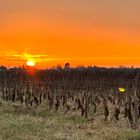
[(30, 63)]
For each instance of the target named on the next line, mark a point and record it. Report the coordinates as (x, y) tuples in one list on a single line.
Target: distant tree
[(67, 66), (122, 67), (80, 67), (58, 67), (2, 68)]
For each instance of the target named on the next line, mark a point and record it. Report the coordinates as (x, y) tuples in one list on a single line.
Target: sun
[(30, 63)]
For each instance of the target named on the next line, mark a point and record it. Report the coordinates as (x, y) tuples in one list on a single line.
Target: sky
[(81, 32)]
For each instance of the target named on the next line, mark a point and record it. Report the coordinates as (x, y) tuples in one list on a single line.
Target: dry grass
[(18, 123)]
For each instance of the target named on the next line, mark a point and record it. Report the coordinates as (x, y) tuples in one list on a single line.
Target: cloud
[(16, 57)]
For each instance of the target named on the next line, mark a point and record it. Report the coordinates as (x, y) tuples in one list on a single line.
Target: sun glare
[(30, 63), (122, 89)]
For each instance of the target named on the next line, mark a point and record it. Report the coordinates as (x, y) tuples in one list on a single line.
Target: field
[(70, 103), (17, 123)]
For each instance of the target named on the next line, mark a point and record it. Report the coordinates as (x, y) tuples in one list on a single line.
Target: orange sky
[(82, 32)]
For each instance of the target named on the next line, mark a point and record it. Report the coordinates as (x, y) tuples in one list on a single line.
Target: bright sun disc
[(30, 63)]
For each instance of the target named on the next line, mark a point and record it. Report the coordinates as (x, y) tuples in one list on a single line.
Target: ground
[(18, 123)]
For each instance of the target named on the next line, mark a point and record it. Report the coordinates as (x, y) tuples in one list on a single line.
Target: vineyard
[(113, 95)]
